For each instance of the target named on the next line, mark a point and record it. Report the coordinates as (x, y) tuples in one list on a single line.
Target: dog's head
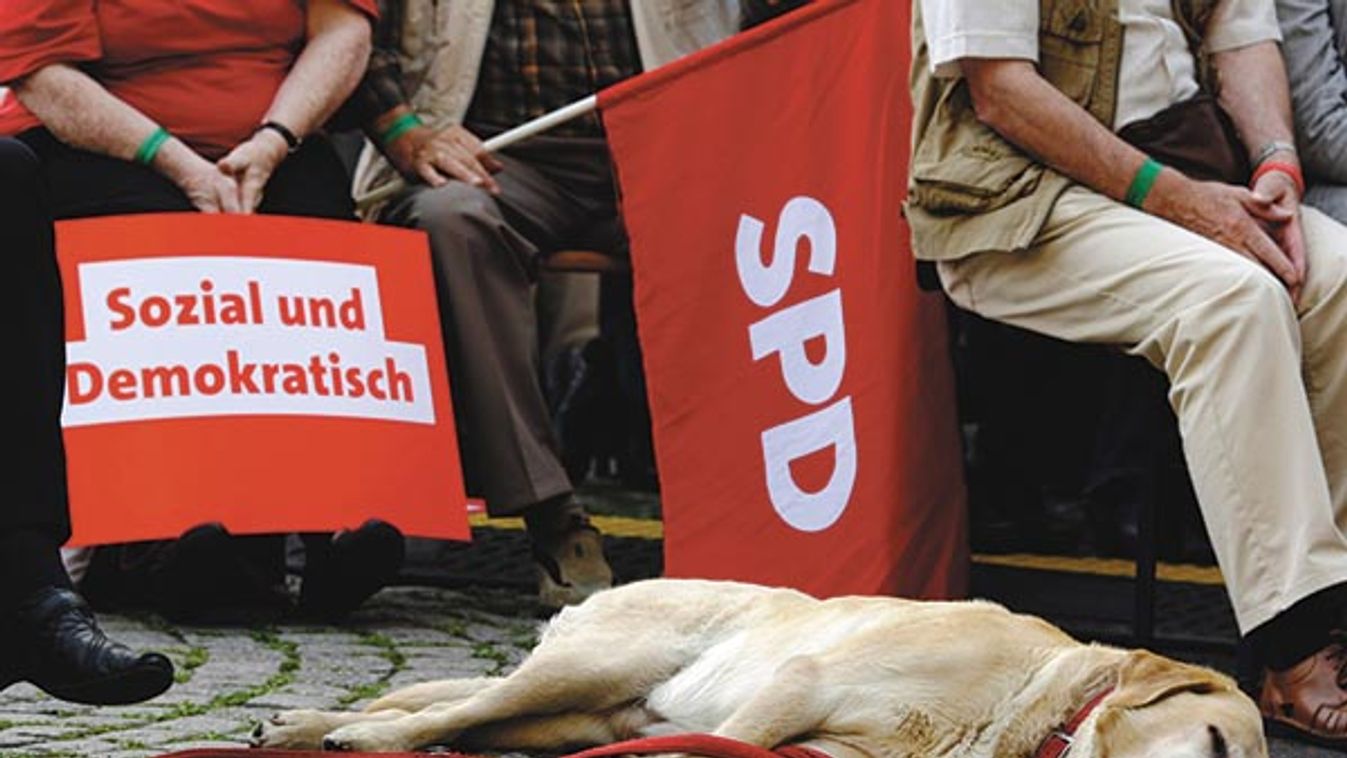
[(1165, 708)]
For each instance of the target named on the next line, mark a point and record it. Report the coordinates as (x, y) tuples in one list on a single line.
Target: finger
[(228, 194), (490, 162), (235, 163), (474, 165), (463, 157), (250, 190), (1294, 245), (430, 174), (488, 181), (1250, 199), (206, 204), (1271, 256), (1274, 213), (459, 169)]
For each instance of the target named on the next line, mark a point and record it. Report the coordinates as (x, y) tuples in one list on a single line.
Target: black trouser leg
[(81, 184), (311, 182), (1302, 630), (34, 521)]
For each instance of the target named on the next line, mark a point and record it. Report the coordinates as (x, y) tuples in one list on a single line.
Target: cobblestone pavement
[(231, 677)]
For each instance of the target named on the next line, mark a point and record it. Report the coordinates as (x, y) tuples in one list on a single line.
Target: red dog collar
[(1059, 742)]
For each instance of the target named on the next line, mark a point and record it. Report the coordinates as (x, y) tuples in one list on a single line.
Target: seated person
[(48, 636), (1038, 213), (1314, 41), (429, 97), (207, 105)]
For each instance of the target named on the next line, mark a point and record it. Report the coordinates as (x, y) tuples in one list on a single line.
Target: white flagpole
[(498, 142)]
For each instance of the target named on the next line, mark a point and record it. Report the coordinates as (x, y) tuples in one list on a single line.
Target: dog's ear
[(1146, 678)]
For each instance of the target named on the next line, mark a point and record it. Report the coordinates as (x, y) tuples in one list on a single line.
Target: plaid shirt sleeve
[(381, 88)]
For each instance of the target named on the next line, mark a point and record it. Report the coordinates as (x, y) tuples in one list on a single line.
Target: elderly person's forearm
[(327, 70), (1013, 99), (1255, 94), (79, 112)]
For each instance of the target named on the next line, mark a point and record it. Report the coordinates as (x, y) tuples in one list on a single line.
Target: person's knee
[(1326, 281), (1233, 313), (473, 244), (19, 167), (454, 210), (1251, 302)]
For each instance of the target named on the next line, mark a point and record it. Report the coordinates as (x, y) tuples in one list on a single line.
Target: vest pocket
[(1072, 34), (968, 169)]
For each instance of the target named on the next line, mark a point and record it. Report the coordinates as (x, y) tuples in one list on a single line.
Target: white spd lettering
[(784, 333)]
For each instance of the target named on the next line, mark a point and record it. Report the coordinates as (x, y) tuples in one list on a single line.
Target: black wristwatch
[(291, 140)]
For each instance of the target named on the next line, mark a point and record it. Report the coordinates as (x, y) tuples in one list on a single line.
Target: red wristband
[(1290, 169)]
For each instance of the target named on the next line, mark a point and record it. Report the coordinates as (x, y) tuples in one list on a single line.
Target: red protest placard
[(272, 374), (800, 384)]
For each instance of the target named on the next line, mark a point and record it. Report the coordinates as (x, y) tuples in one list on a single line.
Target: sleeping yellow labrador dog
[(852, 677)]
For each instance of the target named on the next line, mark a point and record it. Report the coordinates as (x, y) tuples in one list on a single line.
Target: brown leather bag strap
[(1193, 17)]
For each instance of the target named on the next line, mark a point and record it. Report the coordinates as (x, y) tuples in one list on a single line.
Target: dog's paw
[(366, 738), (293, 730)]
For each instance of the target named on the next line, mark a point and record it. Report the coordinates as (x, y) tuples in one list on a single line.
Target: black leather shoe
[(55, 643), (355, 565)]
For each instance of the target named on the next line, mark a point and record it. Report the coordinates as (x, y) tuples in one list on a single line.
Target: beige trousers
[(1259, 383)]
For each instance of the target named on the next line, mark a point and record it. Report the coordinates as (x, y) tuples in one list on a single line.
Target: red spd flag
[(799, 381)]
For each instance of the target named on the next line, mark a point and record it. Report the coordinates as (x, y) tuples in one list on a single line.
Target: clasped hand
[(233, 184), (435, 157), (1261, 223)]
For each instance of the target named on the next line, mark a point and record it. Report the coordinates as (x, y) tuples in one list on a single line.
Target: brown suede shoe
[(567, 552), (1308, 701)]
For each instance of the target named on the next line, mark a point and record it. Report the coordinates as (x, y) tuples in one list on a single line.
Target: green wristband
[(150, 147), (1143, 181), (400, 126)]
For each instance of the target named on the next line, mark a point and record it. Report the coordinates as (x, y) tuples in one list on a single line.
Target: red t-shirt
[(206, 70)]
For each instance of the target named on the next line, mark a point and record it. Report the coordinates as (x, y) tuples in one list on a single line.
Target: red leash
[(706, 745)]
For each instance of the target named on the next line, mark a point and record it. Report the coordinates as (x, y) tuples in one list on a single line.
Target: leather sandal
[(1308, 702)]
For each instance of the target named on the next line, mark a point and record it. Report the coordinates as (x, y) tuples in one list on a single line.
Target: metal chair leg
[(1148, 527)]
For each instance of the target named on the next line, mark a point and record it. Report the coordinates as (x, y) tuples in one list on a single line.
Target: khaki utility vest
[(969, 190)]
